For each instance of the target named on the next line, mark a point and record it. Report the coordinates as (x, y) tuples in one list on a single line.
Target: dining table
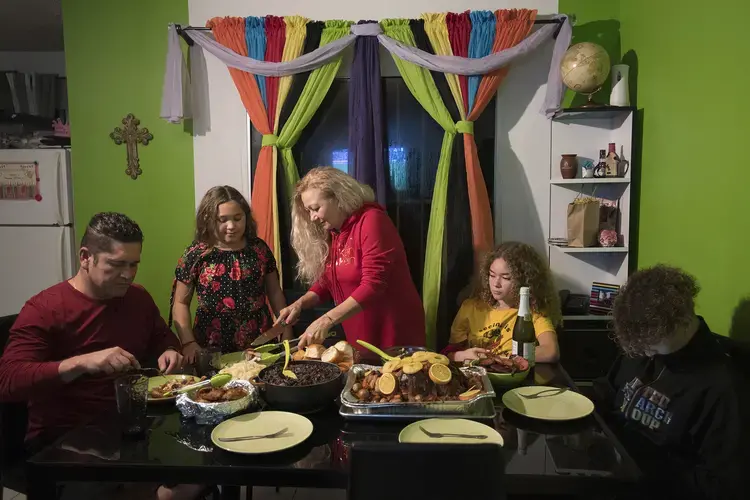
[(175, 449)]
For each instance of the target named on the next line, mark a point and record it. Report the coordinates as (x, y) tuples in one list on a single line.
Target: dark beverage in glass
[(131, 392)]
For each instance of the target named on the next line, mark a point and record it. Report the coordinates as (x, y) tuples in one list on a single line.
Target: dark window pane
[(414, 142)]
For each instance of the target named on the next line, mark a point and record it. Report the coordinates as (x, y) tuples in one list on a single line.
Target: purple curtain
[(366, 150)]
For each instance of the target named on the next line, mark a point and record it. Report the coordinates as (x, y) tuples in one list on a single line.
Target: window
[(414, 142)]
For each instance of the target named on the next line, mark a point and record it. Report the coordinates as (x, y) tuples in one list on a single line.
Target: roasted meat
[(416, 387), (219, 395)]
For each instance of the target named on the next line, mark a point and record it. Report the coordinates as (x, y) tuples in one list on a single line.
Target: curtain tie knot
[(366, 29), (465, 127), (269, 140)]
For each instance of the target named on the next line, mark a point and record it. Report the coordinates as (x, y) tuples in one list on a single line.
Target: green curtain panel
[(313, 93), (421, 84)]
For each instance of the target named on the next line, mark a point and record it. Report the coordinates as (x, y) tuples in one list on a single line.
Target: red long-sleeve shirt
[(367, 261), (60, 323)]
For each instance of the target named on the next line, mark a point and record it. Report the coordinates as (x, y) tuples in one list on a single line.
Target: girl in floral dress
[(234, 275)]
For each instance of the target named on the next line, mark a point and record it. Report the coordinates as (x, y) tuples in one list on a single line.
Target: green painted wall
[(115, 53), (596, 22), (691, 83)]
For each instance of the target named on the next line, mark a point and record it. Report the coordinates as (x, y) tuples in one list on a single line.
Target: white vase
[(620, 95)]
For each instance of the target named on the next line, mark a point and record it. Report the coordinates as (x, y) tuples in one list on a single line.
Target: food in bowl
[(219, 394), (244, 370), (207, 411), (423, 377), (160, 391), (307, 374), (504, 364)]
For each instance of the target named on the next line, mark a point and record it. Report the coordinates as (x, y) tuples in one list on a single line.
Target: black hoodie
[(681, 417)]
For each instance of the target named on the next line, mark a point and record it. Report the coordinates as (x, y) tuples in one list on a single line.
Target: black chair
[(409, 471), (739, 352), (13, 423)]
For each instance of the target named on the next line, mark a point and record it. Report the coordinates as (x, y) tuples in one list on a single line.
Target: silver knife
[(268, 335)]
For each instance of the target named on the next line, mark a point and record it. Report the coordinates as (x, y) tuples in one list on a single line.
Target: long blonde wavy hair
[(309, 239)]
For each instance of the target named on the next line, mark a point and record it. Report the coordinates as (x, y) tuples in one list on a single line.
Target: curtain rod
[(181, 30)]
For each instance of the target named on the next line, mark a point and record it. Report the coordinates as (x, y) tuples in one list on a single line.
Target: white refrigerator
[(37, 247)]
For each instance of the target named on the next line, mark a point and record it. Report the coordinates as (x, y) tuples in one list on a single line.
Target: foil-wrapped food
[(212, 407)]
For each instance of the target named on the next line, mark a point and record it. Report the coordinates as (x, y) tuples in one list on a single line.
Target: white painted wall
[(33, 62)]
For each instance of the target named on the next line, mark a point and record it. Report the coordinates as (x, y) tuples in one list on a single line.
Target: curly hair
[(654, 303), (206, 221), (105, 228), (309, 240), (527, 268)]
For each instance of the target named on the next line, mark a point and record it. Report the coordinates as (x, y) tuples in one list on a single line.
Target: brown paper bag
[(583, 222)]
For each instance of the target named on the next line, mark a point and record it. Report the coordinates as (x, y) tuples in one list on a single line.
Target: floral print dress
[(230, 287)]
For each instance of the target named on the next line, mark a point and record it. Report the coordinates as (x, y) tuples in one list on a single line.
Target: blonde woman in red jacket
[(351, 252)]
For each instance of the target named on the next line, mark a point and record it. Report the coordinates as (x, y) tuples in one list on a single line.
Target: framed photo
[(602, 298)]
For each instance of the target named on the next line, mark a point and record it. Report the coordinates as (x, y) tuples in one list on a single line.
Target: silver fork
[(543, 394), (449, 434), (249, 438)]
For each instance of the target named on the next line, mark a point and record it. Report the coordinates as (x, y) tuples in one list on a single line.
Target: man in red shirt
[(69, 341)]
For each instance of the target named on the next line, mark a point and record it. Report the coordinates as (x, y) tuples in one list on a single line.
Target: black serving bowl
[(303, 398)]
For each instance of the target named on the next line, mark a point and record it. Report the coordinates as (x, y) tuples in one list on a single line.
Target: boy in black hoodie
[(674, 396)]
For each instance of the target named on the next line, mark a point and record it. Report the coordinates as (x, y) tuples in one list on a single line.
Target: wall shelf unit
[(592, 250), (602, 180), (584, 131)]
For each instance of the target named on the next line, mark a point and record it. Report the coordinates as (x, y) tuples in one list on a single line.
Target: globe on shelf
[(585, 68)]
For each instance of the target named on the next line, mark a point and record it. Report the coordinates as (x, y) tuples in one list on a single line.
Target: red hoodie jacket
[(367, 262)]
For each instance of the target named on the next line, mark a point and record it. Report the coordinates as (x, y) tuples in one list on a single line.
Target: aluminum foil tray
[(213, 413), (351, 407)]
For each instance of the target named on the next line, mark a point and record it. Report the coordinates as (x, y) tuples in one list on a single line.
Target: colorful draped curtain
[(473, 34), (455, 34), (272, 58), (277, 39)]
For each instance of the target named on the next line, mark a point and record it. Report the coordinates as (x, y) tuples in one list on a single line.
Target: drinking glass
[(131, 393), (208, 362)]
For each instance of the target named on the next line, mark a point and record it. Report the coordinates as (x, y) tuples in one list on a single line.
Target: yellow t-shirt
[(482, 325)]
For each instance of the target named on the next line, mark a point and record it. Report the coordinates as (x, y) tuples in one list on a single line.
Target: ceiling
[(31, 25)]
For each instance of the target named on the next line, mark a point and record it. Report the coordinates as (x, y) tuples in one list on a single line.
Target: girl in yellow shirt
[(486, 319)]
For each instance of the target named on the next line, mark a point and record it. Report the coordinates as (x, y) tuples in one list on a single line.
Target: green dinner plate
[(163, 379), (298, 430), (548, 403), (413, 434), (231, 358)]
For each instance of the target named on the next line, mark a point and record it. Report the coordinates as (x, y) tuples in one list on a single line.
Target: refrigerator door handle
[(59, 187), (67, 254), (62, 256)]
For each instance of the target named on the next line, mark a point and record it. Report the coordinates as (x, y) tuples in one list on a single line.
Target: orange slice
[(412, 368), (440, 374), (465, 396), (439, 359), (422, 355), (392, 366), (387, 384)]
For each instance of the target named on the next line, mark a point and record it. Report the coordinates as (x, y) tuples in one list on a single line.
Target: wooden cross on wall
[(131, 135)]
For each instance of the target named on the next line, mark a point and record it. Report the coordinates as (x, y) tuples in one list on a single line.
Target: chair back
[(398, 471), (739, 351), (13, 416)]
